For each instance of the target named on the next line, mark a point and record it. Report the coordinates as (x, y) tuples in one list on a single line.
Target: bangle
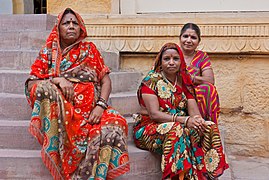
[(102, 104), (102, 99), (174, 117), (186, 121)]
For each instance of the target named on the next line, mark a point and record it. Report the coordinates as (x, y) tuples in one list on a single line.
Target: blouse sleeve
[(146, 90), (97, 62), (143, 89)]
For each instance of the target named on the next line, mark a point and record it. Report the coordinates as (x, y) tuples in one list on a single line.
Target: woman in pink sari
[(199, 66)]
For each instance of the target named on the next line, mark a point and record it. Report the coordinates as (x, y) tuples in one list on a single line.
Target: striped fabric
[(207, 95)]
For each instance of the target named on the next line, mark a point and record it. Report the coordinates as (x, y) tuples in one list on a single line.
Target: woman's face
[(170, 61), (69, 29), (189, 40)]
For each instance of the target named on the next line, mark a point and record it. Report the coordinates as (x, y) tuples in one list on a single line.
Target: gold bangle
[(175, 117), (186, 121)]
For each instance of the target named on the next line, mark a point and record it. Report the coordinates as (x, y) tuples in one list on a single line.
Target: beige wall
[(23, 6), (242, 82), (81, 6)]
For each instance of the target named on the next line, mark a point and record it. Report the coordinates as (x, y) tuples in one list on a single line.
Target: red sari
[(206, 93), (72, 148), (182, 149)]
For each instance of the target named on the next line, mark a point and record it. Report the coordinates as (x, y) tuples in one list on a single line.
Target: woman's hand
[(197, 122), (96, 115), (66, 87), (83, 73)]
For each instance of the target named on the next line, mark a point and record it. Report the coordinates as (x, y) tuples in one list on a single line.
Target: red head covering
[(183, 72), (53, 41)]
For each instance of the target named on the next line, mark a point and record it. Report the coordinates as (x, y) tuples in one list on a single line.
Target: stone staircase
[(21, 37)]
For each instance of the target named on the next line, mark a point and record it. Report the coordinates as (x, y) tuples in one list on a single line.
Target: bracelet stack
[(186, 121), (102, 103), (174, 117)]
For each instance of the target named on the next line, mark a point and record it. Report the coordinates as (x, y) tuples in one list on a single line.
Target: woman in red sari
[(170, 124), (68, 88), (199, 66)]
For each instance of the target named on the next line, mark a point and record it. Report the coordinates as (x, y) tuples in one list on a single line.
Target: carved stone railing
[(232, 34)]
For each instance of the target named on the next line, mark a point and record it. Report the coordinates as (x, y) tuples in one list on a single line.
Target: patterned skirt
[(71, 148), (182, 149)]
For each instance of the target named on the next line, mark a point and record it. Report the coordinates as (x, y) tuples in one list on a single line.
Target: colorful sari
[(72, 148), (182, 149), (206, 93)]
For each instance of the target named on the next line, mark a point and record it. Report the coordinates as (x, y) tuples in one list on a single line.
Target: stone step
[(125, 102), (26, 22), (112, 60), (17, 59), (27, 164), (15, 106), (12, 81), (23, 59), (14, 134), (23, 40)]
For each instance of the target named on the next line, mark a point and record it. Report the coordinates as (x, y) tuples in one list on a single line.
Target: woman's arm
[(207, 76), (152, 106), (97, 112), (196, 120), (65, 86), (193, 109), (106, 87)]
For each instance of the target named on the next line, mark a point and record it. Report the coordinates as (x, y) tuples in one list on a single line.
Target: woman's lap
[(208, 101)]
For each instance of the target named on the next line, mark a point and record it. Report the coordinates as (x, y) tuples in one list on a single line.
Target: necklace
[(170, 82)]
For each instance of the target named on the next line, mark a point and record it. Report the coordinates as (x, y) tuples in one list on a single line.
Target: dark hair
[(192, 26), (68, 10)]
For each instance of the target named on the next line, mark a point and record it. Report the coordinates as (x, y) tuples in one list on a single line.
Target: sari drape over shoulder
[(206, 93), (72, 148)]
